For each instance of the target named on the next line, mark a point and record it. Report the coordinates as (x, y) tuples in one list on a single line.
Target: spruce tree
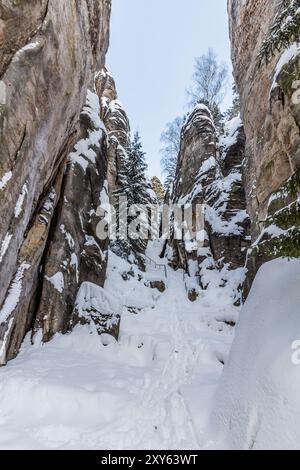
[(135, 187), (138, 186), (234, 109), (284, 31), (136, 174), (121, 246)]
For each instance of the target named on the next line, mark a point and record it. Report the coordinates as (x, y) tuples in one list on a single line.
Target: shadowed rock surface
[(49, 55), (271, 115), (209, 175)]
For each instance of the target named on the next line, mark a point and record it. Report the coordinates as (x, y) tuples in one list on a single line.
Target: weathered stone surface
[(45, 83), (159, 285), (209, 175), (74, 253), (116, 123), (271, 117)]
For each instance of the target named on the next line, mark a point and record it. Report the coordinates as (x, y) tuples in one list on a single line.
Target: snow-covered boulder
[(257, 403)]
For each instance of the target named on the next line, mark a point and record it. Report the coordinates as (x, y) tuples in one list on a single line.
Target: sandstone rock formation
[(50, 51), (116, 123), (270, 112), (209, 175)]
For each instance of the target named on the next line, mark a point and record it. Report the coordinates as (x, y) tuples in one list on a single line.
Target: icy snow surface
[(257, 405), (153, 389)]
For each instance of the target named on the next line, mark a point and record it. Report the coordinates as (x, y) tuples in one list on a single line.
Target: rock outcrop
[(266, 72), (53, 164), (117, 124), (209, 177)]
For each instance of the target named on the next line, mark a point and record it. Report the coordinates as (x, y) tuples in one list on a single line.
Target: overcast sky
[(152, 50)]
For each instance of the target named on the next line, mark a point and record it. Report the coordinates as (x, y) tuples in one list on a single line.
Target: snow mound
[(257, 403)]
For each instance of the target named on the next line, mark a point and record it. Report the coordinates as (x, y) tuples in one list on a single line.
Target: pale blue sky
[(152, 50)]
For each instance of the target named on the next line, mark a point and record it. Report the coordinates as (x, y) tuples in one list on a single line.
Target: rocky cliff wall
[(52, 163), (209, 175), (266, 61)]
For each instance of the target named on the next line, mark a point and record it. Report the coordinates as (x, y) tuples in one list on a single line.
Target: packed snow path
[(152, 390)]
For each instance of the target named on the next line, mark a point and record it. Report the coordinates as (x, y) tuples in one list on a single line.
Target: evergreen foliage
[(132, 184), (284, 31), (234, 109)]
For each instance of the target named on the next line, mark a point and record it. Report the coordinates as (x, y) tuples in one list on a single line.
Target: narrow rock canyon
[(64, 137)]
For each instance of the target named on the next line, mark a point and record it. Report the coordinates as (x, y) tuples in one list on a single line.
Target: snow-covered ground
[(153, 389)]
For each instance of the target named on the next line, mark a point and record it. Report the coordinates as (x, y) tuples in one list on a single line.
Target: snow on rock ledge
[(96, 306)]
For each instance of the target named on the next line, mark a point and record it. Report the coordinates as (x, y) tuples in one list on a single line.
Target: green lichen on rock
[(286, 194), (284, 213), (289, 74), (287, 245), (18, 3), (286, 217)]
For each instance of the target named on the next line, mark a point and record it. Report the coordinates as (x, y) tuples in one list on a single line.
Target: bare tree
[(210, 81), (170, 151)]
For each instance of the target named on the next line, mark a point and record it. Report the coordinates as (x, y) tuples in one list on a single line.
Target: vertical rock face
[(266, 73), (209, 175), (116, 123), (49, 189)]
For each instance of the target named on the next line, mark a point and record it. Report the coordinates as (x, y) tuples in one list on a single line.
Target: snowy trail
[(153, 389)]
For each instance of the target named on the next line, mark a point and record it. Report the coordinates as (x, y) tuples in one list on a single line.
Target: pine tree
[(138, 185), (121, 246), (284, 30), (136, 173), (122, 170), (135, 187), (234, 109)]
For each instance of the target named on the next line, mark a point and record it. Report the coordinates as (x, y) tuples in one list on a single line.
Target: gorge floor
[(151, 390)]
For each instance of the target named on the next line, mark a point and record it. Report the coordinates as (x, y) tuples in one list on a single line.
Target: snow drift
[(257, 402)]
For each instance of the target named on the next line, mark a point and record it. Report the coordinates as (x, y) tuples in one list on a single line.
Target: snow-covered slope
[(153, 389), (257, 403)]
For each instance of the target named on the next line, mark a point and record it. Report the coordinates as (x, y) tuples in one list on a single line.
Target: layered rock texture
[(266, 59), (209, 179), (53, 167), (64, 137), (254, 167)]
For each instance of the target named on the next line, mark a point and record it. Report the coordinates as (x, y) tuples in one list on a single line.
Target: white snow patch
[(207, 165), (20, 201), (4, 341), (68, 237), (14, 293), (5, 179), (57, 280), (230, 133), (289, 54), (5, 245), (93, 298), (74, 264), (152, 390), (84, 153), (257, 403)]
